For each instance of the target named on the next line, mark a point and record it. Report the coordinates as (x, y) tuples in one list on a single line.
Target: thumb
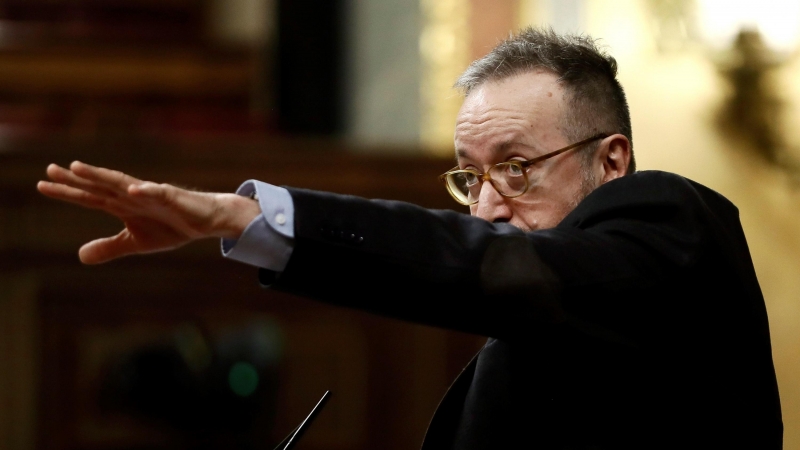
[(106, 249)]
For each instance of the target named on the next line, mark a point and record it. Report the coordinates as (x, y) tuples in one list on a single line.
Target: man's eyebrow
[(461, 153), (507, 144)]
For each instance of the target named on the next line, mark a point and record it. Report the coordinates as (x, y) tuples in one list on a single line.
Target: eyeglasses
[(508, 178)]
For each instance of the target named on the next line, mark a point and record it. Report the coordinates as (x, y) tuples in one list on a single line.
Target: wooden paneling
[(127, 73)]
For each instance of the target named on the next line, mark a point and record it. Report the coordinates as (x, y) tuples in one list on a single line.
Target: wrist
[(233, 214)]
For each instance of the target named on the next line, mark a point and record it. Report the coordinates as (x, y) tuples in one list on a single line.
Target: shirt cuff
[(268, 241)]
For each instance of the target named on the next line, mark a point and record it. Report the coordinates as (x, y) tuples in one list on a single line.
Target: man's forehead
[(524, 97), (520, 111)]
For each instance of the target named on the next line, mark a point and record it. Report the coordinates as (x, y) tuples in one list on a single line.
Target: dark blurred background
[(184, 349)]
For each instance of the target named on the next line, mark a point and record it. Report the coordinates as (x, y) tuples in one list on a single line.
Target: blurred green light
[(243, 379)]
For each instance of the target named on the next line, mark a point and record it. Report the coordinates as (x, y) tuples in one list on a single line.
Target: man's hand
[(157, 217)]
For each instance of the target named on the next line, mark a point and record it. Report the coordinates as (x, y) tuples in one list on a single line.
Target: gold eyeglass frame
[(521, 164)]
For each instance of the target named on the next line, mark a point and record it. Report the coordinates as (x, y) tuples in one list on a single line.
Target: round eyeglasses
[(508, 178)]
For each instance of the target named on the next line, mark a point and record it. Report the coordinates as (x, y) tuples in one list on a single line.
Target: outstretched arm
[(157, 217)]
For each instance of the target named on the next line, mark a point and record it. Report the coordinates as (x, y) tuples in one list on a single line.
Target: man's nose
[(491, 205)]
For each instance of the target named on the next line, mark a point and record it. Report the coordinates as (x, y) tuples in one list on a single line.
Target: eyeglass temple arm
[(562, 150), (542, 157)]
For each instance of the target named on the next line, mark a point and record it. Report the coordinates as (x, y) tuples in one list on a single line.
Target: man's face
[(520, 118)]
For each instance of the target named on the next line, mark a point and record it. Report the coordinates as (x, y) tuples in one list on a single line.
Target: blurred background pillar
[(382, 75), (444, 43), (310, 66), (249, 24), (564, 16)]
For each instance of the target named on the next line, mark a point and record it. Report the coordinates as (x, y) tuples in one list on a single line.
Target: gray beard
[(588, 184)]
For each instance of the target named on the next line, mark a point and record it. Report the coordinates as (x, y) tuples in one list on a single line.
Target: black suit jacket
[(637, 322)]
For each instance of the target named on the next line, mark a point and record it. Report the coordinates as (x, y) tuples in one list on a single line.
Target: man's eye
[(514, 170), (470, 178)]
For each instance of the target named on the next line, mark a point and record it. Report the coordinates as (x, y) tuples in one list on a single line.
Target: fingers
[(67, 177), (105, 249), (70, 194), (110, 179), (91, 187), (79, 197)]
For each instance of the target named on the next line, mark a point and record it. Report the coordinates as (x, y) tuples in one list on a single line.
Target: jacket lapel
[(445, 420)]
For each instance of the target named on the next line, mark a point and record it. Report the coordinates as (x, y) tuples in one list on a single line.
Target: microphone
[(295, 435)]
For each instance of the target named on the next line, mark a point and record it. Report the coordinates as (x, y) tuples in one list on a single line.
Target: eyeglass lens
[(507, 178)]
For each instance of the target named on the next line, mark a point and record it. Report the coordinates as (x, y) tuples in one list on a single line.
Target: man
[(622, 308)]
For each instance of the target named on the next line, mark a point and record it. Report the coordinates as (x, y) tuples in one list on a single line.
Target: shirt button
[(280, 218)]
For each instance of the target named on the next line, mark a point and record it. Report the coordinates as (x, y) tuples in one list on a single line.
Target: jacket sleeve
[(612, 267)]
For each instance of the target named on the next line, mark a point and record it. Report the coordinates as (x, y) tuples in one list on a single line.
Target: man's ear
[(613, 157)]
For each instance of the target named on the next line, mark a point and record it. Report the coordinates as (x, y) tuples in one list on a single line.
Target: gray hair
[(595, 99)]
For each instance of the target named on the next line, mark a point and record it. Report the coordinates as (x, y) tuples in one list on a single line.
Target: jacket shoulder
[(651, 191)]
